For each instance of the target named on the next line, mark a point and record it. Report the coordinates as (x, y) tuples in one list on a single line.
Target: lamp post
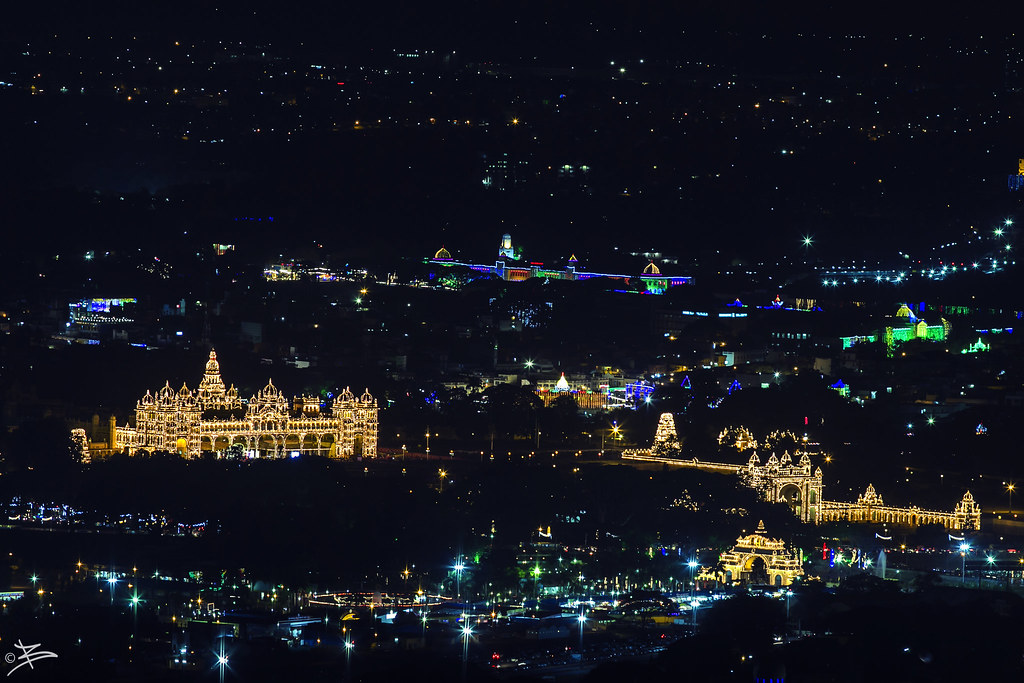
[(428, 440), (222, 659), (135, 609), (441, 474), (964, 549), (467, 631), (348, 658), (458, 567), (1009, 489), (693, 564)]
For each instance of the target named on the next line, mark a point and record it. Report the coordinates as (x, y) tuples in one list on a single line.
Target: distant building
[(511, 267), (600, 392), (93, 316), (906, 327)]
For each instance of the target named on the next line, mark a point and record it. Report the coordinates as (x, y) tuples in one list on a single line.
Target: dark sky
[(556, 27)]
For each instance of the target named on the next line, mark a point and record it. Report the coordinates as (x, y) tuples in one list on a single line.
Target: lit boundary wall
[(966, 516), (771, 481)]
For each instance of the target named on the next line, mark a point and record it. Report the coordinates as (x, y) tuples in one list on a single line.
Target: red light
[(341, 82)]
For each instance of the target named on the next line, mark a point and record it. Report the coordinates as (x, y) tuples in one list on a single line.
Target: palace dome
[(212, 366), (442, 254)]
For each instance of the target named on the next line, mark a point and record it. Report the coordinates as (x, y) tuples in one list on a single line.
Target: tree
[(44, 443), (513, 409)]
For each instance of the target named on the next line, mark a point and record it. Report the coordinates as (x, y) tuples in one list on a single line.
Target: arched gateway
[(758, 559)]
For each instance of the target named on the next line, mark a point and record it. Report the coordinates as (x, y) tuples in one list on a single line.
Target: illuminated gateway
[(799, 486), (213, 419)]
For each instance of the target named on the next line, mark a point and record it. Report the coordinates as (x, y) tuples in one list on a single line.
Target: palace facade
[(214, 419)]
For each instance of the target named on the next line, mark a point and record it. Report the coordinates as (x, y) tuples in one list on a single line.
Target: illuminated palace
[(213, 419), (781, 480)]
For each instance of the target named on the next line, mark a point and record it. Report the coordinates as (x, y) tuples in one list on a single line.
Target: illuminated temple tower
[(212, 419)]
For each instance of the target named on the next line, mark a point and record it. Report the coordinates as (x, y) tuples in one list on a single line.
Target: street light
[(428, 440), (441, 475), (582, 619), (1009, 490), (692, 564), (467, 631), (222, 659), (459, 566), (348, 658), (964, 549)]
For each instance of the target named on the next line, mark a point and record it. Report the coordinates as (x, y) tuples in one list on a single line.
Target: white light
[(222, 660)]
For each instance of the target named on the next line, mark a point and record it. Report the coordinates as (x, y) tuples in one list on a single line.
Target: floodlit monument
[(214, 419)]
